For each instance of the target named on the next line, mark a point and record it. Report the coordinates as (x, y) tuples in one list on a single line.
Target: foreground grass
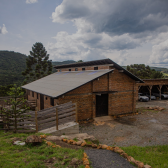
[(155, 156), (14, 156)]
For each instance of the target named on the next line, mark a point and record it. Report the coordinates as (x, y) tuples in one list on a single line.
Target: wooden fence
[(35, 121)]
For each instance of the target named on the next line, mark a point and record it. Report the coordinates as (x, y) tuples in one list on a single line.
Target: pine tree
[(17, 107), (38, 64)]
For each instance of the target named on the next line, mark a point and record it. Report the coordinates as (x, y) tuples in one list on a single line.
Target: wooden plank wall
[(33, 121)]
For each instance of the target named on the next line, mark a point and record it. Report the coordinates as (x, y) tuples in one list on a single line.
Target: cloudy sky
[(126, 31)]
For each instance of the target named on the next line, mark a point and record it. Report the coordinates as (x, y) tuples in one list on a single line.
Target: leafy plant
[(144, 72), (17, 107)]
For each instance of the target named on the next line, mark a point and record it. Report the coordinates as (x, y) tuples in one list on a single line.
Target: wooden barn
[(99, 88)]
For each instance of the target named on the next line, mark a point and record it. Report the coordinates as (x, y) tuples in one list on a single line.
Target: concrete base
[(104, 118), (64, 129)]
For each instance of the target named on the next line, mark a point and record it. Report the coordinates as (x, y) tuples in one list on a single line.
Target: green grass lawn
[(14, 156), (155, 156)]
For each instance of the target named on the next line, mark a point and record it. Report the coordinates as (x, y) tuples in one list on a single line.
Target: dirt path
[(146, 129)]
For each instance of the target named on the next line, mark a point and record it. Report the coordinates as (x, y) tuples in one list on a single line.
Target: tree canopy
[(144, 72), (38, 64)]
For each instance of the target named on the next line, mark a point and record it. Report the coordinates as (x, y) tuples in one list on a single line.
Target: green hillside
[(12, 64)]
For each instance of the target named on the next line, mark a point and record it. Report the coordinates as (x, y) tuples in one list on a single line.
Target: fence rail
[(34, 121)]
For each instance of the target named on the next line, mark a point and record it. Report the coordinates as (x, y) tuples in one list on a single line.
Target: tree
[(80, 61), (17, 108), (38, 64), (144, 72)]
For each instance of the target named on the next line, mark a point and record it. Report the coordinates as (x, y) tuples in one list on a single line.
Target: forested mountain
[(12, 64)]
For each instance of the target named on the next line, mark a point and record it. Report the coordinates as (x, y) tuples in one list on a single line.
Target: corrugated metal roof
[(59, 83), (100, 62)]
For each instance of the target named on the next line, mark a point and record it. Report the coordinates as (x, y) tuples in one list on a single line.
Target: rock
[(108, 148), (104, 146), (79, 143), (43, 136), (140, 165), (85, 161), (85, 155), (64, 140), (49, 144), (129, 158), (68, 141), (33, 139), (71, 141), (80, 137), (53, 138), (94, 146), (137, 162), (83, 144), (87, 166), (125, 155), (120, 151), (19, 143), (15, 139), (147, 166), (74, 143), (99, 146), (116, 148), (74, 161), (132, 160)]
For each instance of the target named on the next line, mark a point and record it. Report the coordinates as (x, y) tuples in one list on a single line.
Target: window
[(69, 69), (52, 101), (83, 69), (46, 97), (76, 69), (28, 92), (32, 94), (37, 95), (95, 68), (60, 70)]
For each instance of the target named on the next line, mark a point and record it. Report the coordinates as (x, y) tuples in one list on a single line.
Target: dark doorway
[(41, 102), (101, 105)]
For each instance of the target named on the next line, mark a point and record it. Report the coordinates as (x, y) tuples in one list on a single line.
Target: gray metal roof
[(59, 83), (100, 62)]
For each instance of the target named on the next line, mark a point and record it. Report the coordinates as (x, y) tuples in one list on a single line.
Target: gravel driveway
[(107, 159), (145, 129)]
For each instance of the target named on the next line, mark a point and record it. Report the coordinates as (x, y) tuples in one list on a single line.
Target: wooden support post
[(150, 89), (160, 88), (36, 121), (139, 88), (56, 119), (76, 109)]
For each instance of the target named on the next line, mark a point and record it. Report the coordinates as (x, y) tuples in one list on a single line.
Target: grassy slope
[(155, 156), (13, 156)]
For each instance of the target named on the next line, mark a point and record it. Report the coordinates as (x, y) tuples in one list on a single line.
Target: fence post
[(76, 109), (36, 121), (56, 119)]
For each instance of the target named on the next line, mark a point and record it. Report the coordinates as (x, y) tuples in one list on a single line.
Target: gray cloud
[(116, 17), (106, 26)]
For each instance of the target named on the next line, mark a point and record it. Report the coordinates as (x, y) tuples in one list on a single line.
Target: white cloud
[(31, 1), (159, 53), (3, 30), (110, 28)]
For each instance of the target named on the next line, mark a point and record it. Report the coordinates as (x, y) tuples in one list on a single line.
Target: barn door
[(41, 102), (101, 105)]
